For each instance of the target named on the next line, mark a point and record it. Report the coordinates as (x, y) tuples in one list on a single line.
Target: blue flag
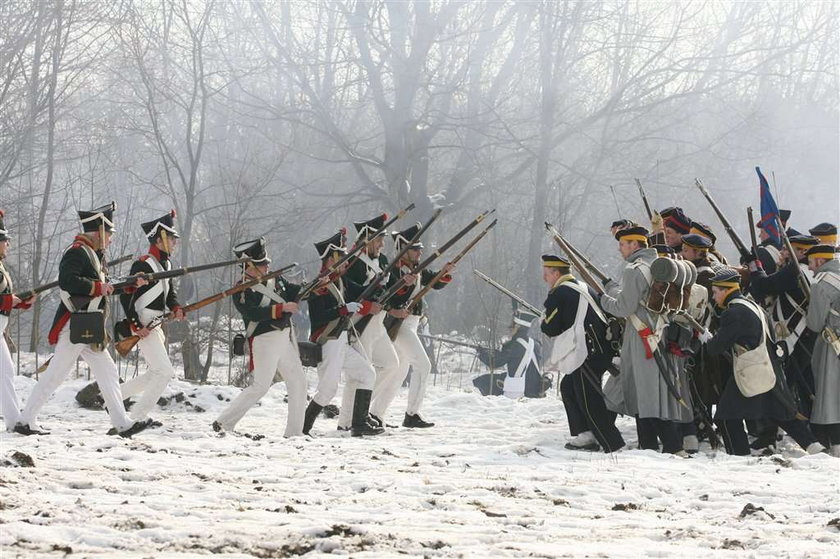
[(770, 220)]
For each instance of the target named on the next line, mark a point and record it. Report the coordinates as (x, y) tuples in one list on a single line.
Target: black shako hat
[(255, 250), (103, 217), (333, 244), (166, 223)]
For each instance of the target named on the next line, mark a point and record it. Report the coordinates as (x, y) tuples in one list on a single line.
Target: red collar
[(85, 240), (160, 255)]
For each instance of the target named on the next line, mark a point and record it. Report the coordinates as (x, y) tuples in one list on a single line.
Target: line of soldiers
[(749, 344), (348, 329)]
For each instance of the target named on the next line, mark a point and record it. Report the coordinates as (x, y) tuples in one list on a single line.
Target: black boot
[(312, 411), (414, 420), (361, 407)]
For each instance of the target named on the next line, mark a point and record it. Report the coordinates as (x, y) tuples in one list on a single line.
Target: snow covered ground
[(491, 479)]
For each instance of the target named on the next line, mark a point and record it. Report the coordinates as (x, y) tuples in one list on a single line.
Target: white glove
[(353, 307), (704, 336)]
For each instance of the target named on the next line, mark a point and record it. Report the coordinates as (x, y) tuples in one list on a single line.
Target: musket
[(739, 244), (644, 199), (508, 292), (751, 224), (35, 290), (585, 261), (126, 344), (572, 254), (345, 321), (177, 272), (392, 323), (399, 284), (307, 289)]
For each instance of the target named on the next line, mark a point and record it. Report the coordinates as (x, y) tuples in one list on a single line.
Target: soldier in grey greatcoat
[(824, 318), (646, 393)]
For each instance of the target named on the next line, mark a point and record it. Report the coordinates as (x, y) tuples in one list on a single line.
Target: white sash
[(269, 294), (372, 267), (160, 287)]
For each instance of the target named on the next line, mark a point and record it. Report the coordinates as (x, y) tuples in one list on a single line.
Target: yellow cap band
[(640, 238), (555, 264), (826, 255), (733, 284), (827, 239)]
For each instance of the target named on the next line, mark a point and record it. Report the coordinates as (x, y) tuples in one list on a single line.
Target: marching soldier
[(522, 355), (582, 353), (788, 315), (374, 339), (408, 345), (83, 287), (706, 373), (824, 319), (266, 309), (145, 304), (329, 307), (646, 393), (756, 389), (9, 405)]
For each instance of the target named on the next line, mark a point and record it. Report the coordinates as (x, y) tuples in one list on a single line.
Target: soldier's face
[(375, 246), (104, 239), (814, 264), (672, 237), (4, 248), (550, 275), (690, 253), (626, 248), (414, 255), (718, 294)]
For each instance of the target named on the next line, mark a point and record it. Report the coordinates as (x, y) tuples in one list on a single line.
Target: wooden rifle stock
[(126, 344)]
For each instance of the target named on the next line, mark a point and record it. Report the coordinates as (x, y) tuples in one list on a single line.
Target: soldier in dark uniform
[(756, 389), (582, 353), (407, 343), (374, 340), (522, 355), (706, 372), (788, 315), (83, 287), (146, 304), (9, 405), (328, 306), (266, 309)]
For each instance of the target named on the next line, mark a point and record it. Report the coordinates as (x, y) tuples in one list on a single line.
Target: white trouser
[(338, 355), (9, 405), (65, 356), (273, 351), (153, 382), (411, 353), (380, 350)]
